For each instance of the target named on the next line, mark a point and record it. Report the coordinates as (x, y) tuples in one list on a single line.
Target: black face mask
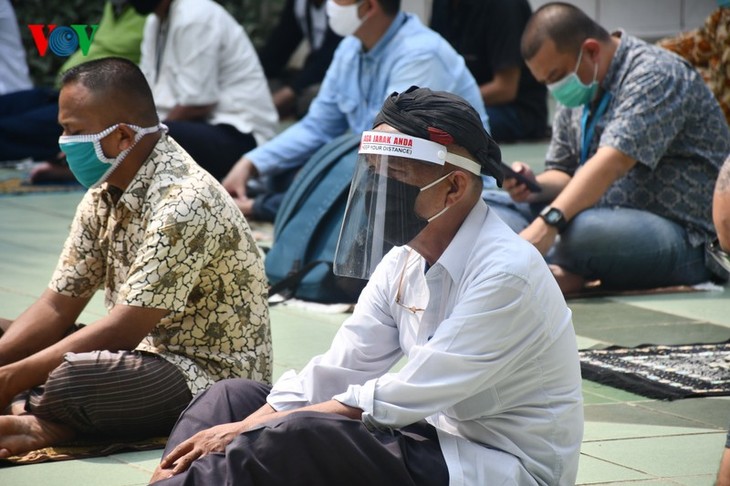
[(144, 7), (401, 224)]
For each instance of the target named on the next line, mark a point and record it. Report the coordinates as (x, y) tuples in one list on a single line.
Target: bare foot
[(23, 433), (569, 283)]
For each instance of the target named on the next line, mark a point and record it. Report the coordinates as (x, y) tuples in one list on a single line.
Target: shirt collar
[(133, 197), (454, 258), (618, 67), (380, 46)]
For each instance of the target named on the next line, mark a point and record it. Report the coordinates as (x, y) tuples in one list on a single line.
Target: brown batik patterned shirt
[(175, 240), (708, 49)]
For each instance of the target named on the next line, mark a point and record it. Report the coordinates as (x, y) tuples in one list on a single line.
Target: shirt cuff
[(287, 393), (359, 396)]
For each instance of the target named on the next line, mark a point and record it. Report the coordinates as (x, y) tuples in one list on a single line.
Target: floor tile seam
[(676, 415), (36, 210), (138, 467), (18, 293), (684, 322), (650, 437), (14, 246), (631, 481), (615, 401), (614, 463)]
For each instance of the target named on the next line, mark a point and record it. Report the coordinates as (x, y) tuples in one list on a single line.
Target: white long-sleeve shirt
[(492, 361)]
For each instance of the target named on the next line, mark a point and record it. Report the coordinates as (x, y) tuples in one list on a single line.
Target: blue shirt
[(357, 82), (661, 114)]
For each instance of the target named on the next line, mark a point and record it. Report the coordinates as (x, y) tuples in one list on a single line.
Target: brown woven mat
[(83, 450)]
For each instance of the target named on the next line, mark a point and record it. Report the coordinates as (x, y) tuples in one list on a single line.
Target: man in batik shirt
[(637, 144), (183, 281)]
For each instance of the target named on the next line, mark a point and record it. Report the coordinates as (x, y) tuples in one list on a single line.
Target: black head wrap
[(443, 118)]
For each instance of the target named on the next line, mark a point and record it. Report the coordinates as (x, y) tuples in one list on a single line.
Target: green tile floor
[(628, 439)]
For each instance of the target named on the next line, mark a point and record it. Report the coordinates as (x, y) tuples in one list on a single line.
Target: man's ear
[(124, 137), (459, 185), (593, 48), (367, 8)]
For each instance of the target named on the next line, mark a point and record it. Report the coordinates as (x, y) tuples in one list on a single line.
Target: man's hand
[(285, 100), (214, 439), (517, 190), (540, 234), (235, 183)]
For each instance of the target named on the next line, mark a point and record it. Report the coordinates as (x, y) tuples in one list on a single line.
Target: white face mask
[(343, 19)]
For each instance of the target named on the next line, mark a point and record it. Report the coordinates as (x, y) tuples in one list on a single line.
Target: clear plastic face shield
[(388, 204)]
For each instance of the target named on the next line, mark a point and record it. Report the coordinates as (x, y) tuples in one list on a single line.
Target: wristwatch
[(554, 217)]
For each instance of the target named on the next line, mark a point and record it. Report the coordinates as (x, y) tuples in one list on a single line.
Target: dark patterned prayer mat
[(665, 372)]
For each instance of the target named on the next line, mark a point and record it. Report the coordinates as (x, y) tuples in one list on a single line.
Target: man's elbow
[(721, 218)]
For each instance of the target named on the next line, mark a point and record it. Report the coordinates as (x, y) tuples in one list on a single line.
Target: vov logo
[(62, 41)]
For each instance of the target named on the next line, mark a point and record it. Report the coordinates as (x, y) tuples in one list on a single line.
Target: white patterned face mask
[(86, 158)]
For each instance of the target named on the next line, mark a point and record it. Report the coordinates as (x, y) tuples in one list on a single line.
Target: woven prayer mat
[(662, 372), (15, 182), (83, 450)]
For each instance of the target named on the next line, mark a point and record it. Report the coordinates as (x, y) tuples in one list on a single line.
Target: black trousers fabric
[(29, 125), (125, 394), (216, 148), (304, 448)]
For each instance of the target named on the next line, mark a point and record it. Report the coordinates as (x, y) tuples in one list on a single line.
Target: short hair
[(390, 7), (565, 24), (122, 81)]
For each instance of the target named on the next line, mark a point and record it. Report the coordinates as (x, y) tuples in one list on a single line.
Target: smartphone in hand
[(531, 184)]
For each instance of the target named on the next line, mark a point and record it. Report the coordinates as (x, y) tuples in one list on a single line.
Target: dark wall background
[(256, 16)]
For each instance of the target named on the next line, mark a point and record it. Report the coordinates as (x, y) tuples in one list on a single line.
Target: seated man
[(207, 80), (636, 147), (183, 281), (491, 390), (385, 50), (707, 49), (487, 33), (293, 89)]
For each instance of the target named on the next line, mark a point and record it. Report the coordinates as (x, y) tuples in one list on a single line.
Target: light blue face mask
[(86, 158), (570, 91), (723, 3)]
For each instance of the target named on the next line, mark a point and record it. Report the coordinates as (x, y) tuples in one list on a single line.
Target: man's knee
[(238, 387), (309, 429)]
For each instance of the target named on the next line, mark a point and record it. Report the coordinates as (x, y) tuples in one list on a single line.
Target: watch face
[(552, 216)]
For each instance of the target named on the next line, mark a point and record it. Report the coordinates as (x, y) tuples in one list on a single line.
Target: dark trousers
[(304, 448), (216, 148), (126, 394), (29, 125), (508, 124)]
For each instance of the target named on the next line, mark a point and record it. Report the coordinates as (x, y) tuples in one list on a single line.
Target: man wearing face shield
[(183, 280), (491, 390)]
